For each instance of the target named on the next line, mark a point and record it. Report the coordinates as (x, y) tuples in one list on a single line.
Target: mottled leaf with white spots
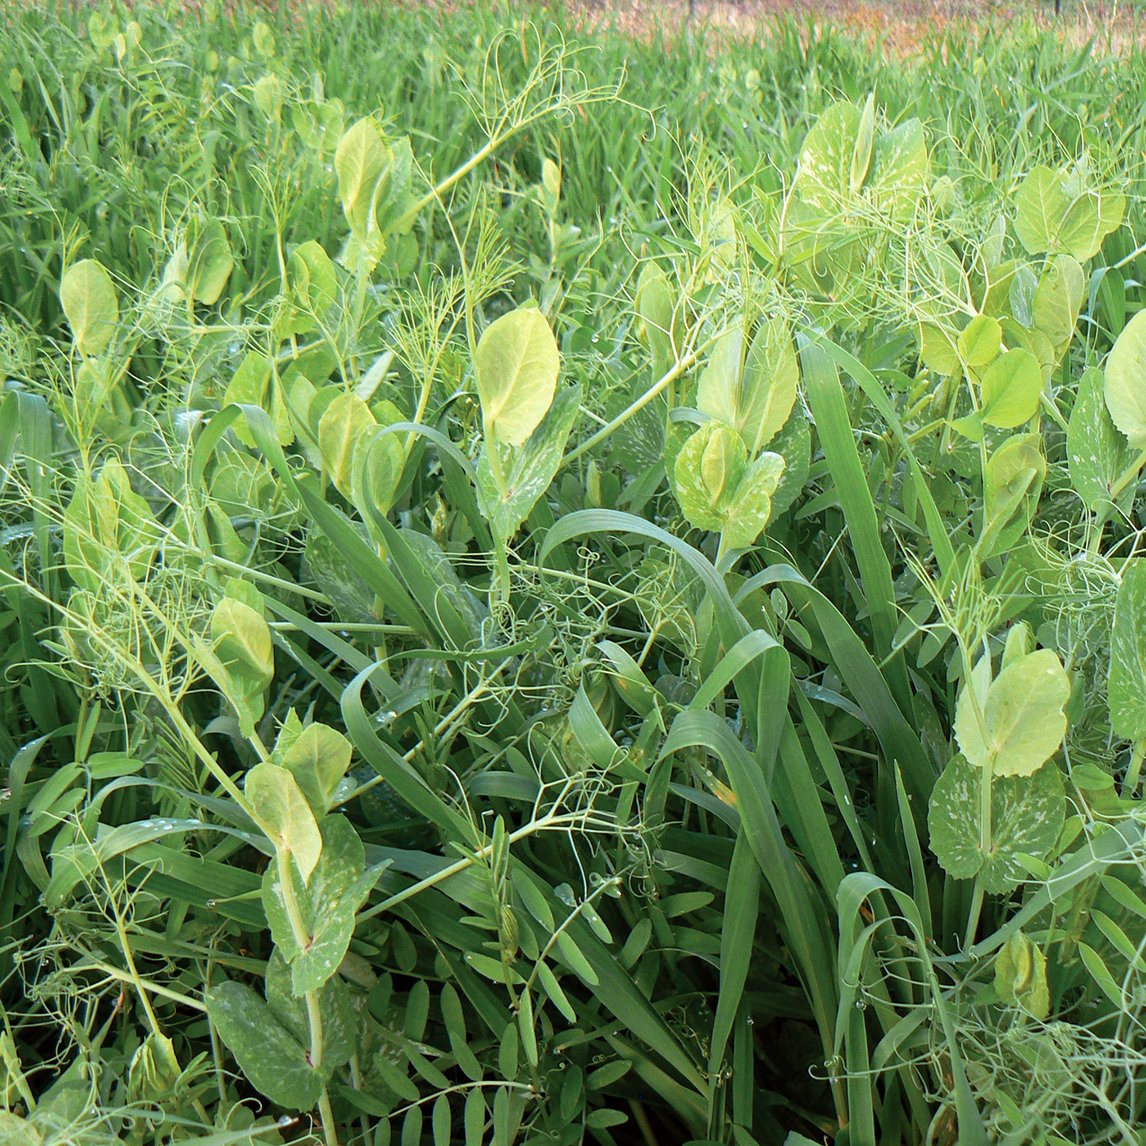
[(1027, 814)]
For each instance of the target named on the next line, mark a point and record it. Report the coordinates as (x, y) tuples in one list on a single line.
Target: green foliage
[(542, 612)]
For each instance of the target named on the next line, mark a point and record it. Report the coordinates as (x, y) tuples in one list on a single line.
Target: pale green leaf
[(328, 903), (753, 394), (979, 341), (243, 641), (274, 1061), (1096, 452), (900, 167), (794, 444), (343, 427), (361, 161), (1011, 388), (529, 469), (1054, 213), (750, 508), (823, 176), (1126, 691), (516, 364), (861, 153), (1058, 300), (1014, 481), (17, 1131), (706, 473), (319, 758), (1021, 975), (284, 815), (1126, 381), (108, 529), (655, 304), (90, 304), (209, 265), (1021, 723), (1027, 814)]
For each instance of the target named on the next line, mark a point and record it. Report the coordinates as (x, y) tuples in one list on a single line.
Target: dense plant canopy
[(557, 590)]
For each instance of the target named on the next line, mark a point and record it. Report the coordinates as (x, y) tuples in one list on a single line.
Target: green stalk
[(313, 1010), (681, 366), (1128, 475), (1134, 770)]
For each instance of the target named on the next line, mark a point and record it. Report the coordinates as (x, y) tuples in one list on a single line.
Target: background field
[(570, 582)]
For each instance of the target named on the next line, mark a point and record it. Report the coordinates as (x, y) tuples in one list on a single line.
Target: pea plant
[(517, 637)]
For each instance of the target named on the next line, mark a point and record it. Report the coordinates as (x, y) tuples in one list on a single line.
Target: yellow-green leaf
[(285, 815), (90, 304), (517, 364)]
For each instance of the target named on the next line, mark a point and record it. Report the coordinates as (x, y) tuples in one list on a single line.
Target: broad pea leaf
[(1125, 387), (550, 185), (516, 364), (1126, 691), (90, 304), (997, 283), (753, 394), (329, 901), (275, 1061), (1011, 387), (751, 506), (243, 642), (719, 489), (642, 441), (340, 1022), (154, 1071), (102, 30), (823, 178), (1055, 213), (528, 469), (17, 1131), (267, 96), (861, 152), (899, 171), (1027, 814), (312, 284), (1019, 643), (706, 473), (1096, 452), (450, 589), (344, 426), (1021, 975), (392, 201), (318, 758), (285, 815), (794, 444), (321, 279), (98, 390), (253, 384), (1058, 300), (1014, 481), (108, 526), (979, 341), (347, 591), (377, 471), (655, 304), (361, 162), (937, 350), (1020, 721), (209, 265)]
